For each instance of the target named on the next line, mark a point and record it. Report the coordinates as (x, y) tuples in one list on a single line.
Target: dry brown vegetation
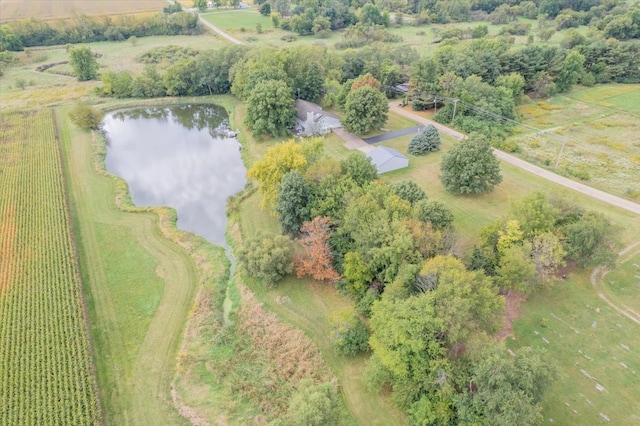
[(61, 9)]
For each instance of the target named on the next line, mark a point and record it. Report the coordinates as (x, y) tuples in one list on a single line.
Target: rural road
[(219, 31), (539, 171)]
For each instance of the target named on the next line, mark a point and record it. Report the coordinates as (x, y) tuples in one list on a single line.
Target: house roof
[(303, 107), (382, 154)]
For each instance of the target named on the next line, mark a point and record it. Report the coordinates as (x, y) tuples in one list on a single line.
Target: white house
[(387, 159), (313, 120)]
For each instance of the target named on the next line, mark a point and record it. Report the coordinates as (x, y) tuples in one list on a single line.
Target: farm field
[(46, 372), (600, 130), (61, 9)]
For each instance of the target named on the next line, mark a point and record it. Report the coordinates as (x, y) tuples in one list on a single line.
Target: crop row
[(46, 377)]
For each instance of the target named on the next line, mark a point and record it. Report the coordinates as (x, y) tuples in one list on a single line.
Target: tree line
[(17, 35)]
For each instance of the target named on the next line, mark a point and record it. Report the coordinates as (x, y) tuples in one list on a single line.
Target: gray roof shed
[(387, 159)]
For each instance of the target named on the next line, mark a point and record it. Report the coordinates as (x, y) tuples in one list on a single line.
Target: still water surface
[(181, 156)]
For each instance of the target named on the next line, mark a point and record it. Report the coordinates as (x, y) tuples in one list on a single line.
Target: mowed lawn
[(62, 9), (597, 350)]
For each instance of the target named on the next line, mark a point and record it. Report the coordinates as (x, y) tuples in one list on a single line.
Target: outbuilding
[(387, 159)]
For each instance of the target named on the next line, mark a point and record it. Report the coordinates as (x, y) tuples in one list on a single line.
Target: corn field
[(46, 375)]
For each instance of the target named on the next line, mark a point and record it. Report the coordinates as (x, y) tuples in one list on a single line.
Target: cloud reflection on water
[(167, 164)]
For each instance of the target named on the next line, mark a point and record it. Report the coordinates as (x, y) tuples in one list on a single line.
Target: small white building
[(387, 159)]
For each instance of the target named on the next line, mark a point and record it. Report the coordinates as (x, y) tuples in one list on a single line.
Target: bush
[(313, 405), (428, 140), (85, 116), (349, 334), (268, 258)]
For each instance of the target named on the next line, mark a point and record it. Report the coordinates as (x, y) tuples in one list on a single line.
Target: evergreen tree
[(428, 140)]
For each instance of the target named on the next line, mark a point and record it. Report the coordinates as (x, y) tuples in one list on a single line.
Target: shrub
[(349, 334), (428, 140), (85, 116)]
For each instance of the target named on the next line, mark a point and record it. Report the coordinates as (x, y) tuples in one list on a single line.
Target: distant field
[(11, 10), (600, 130), (46, 376)]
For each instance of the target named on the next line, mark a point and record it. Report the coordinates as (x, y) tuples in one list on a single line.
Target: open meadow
[(11, 10), (46, 371), (589, 134)]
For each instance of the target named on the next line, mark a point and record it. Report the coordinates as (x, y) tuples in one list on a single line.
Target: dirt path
[(134, 377), (539, 171), (597, 279)]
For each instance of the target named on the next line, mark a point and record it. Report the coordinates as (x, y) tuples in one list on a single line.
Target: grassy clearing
[(11, 10), (46, 373), (600, 130), (588, 340)]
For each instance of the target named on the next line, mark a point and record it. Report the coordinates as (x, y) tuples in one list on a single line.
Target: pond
[(182, 156)]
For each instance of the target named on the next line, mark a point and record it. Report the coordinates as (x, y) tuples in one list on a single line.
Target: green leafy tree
[(359, 168), (405, 337), (408, 190), (426, 141), (571, 71), (279, 160), (534, 213), (267, 257), (84, 63), (357, 275), (547, 254), (434, 212), (349, 334), (265, 9), (85, 116), (366, 109), (467, 302), (470, 167), (270, 109), (313, 404), (592, 240), (507, 390), (516, 270), (292, 203)]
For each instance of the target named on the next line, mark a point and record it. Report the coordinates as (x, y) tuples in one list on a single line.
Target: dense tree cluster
[(524, 249)]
